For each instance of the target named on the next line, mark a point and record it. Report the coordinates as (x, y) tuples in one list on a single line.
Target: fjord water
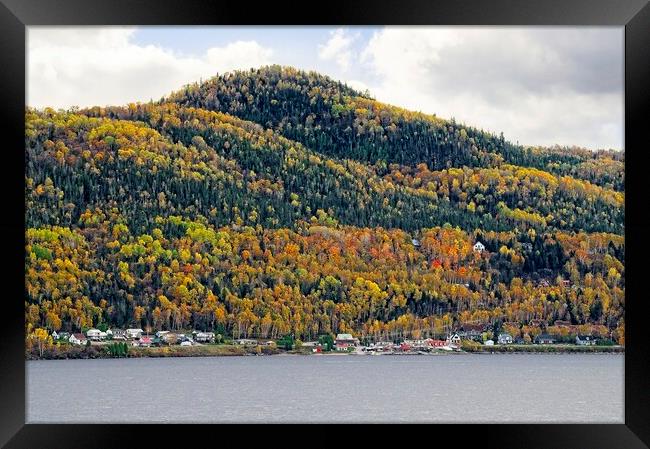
[(455, 388)]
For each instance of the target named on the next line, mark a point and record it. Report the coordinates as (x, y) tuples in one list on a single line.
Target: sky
[(537, 85)]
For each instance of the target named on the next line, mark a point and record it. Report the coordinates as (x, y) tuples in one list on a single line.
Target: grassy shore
[(223, 350), (559, 348), (101, 351)]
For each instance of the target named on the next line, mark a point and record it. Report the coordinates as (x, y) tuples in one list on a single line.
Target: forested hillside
[(276, 201)]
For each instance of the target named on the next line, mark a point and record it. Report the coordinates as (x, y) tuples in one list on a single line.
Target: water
[(517, 388)]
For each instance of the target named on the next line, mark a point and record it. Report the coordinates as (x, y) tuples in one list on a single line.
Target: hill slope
[(276, 201)]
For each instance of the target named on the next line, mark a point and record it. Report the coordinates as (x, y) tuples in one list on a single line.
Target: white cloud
[(338, 48), (540, 86), (536, 85), (357, 85), (100, 66)]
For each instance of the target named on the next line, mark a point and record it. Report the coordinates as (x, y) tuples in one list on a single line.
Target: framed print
[(381, 213)]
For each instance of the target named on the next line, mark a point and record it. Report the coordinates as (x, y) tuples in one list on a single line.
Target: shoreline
[(99, 352)]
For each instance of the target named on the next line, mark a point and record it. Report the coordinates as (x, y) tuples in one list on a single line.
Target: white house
[(116, 334), (134, 333), (93, 334), (78, 339), (60, 336), (453, 340), (585, 340), (489, 343), (478, 246), (205, 337), (504, 339)]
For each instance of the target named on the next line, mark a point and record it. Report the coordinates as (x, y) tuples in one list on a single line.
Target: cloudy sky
[(537, 85)]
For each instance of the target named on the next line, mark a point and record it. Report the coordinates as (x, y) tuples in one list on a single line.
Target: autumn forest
[(273, 201)]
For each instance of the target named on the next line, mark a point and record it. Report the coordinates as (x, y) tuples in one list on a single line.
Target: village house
[(61, 336), (205, 337), (453, 340), (415, 242), (345, 341), (117, 334), (134, 333), (145, 341), (544, 339), (78, 339), (479, 247), (169, 338), (93, 334), (504, 339), (489, 343), (382, 346), (585, 340)]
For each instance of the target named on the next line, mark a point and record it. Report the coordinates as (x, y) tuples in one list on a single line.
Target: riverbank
[(544, 349), (225, 350)]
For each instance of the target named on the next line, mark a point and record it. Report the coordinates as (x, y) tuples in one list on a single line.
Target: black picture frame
[(15, 15)]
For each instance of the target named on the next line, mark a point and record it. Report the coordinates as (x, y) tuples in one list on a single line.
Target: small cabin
[(479, 247)]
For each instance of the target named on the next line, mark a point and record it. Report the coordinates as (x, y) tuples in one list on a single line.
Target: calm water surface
[(567, 388)]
